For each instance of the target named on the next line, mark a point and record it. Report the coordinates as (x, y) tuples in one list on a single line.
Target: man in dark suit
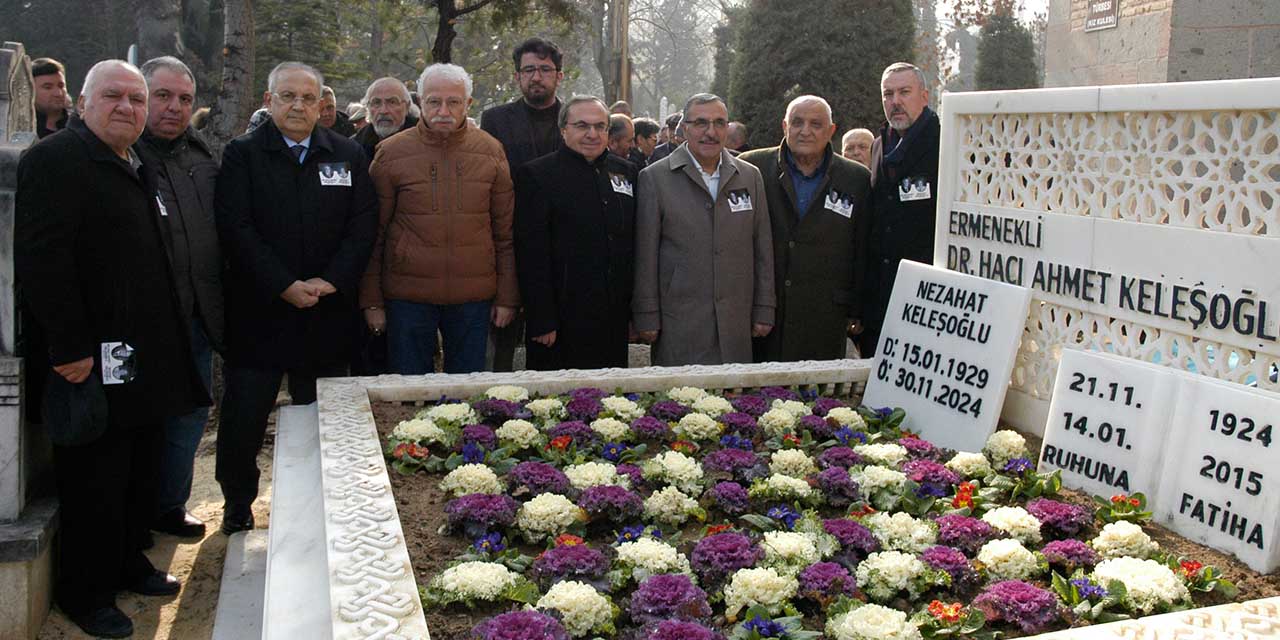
[(89, 249), (677, 138), (296, 216)]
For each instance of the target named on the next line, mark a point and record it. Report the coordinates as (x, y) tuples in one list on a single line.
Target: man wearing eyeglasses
[(704, 249), (387, 111), (296, 215), (527, 129), (575, 244)]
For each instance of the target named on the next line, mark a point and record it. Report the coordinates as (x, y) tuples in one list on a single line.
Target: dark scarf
[(893, 157)]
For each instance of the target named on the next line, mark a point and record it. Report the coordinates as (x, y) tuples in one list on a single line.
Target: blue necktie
[(298, 150)]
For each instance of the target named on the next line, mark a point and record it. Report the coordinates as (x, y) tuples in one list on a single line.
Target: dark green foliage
[(309, 32), (78, 34), (788, 48), (1006, 55), (726, 41)]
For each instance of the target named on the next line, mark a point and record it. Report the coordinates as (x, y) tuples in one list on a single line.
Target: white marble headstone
[(1221, 475), (946, 352), (1108, 423)]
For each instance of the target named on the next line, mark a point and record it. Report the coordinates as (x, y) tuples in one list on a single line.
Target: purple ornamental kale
[(716, 557), (729, 460), (779, 393), (570, 562), (730, 497), (964, 533), (587, 393), (679, 630), (948, 559), (612, 503), (650, 427), (824, 404), (538, 478), (852, 536), (1070, 554), (839, 489), (520, 625), (1059, 520), (478, 513), (842, 457), (919, 449), (668, 410), (826, 580), (668, 596), (480, 435), (932, 476), (631, 471), (740, 424), (752, 405), (1031, 608), (821, 428), (496, 412), (582, 434), (584, 409)]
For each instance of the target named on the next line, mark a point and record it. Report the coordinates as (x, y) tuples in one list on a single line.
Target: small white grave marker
[(946, 352)]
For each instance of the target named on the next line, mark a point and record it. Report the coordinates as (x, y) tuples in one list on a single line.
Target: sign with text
[(1221, 480), (1108, 423), (946, 352), (1103, 14)]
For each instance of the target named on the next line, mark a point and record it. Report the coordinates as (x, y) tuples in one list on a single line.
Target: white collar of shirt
[(712, 180), (306, 144)]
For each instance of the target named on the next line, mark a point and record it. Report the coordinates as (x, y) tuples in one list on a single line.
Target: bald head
[(808, 128), (856, 145), (113, 103), (817, 101)]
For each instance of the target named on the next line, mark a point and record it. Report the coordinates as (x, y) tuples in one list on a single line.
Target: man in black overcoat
[(904, 174), (89, 250), (575, 246), (296, 216)]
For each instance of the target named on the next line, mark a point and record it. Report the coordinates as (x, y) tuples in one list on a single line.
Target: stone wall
[(1224, 39)]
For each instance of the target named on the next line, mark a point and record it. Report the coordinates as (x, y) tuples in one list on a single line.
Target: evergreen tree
[(726, 38), (1006, 54), (837, 50), (306, 32)]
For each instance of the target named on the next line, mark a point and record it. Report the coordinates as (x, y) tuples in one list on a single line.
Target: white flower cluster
[(669, 506), (698, 426), (887, 453), (1016, 522), (547, 514), (622, 408), (654, 556), (1149, 585), (1120, 539), (794, 407), (1007, 559), (455, 414), (1004, 446), (674, 468), (595, 474), (508, 392), (476, 580), (872, 622), (885, 573), (611, 429), (873, 478), (548, 410), (969, 465), (714, 406), (686, 395), (777, 422), (792, 462), (788, 551), (847, 418), (901, 532), (471, 478), (419, 430), (787, 488), (582, 608), (758, 587), (519, 433)]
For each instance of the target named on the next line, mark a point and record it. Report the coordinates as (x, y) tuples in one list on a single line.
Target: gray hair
[(898, 67), (702, 98), (826, 106), (327, 92), (94, 76), (168, 63), (855, 132), (445, 71), (293, 66), (576, 100), (386, 80)]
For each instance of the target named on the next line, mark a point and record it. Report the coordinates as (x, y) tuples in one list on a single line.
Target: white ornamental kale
[(970, 465), (508, 392), (1007, 559), (669, 506), (596, 474), (713, 406), (1149, 586), (847, 417), (872, 622), (454, 414), (697, 426), (420, 431), (1004, 446), (520, 434), (471, 478), (761, 586), (676, 469), (546, 515), (612, 429), (583, 610), (901, 532), (788, 552), (621, 408), (475, 581), (873, 478), (1120, 539), (686, 395), (883, 575), (886, 454), (777, 422), (794, 407), (653, 556), (1016, 522), (792, 462), (548, 410)]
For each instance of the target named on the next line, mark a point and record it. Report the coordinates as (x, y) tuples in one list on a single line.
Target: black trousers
[(505, 341), (249, 395), (107, 490)]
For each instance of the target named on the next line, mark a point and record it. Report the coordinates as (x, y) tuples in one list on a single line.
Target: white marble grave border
[(372, 590)]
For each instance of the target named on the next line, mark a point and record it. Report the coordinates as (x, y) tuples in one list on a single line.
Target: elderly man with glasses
[(704, 248), (386, 104)]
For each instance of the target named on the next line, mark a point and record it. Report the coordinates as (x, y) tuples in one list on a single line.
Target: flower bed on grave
[(762, 515)]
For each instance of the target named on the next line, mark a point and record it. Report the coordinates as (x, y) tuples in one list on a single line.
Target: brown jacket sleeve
[(502, 211), (384, 185)]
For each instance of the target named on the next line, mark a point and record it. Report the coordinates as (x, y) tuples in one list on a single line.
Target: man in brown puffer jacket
[(443, 259)]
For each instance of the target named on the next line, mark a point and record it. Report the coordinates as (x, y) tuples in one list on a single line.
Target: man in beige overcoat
[(704, 250)]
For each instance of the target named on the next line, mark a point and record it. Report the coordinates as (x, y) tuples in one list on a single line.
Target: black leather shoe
[(179, 522), (107, 622), (236, 518), (158, 583)]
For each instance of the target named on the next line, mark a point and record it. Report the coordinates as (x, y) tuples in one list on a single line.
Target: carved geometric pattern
[(1211, 171), (1252, 620)]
